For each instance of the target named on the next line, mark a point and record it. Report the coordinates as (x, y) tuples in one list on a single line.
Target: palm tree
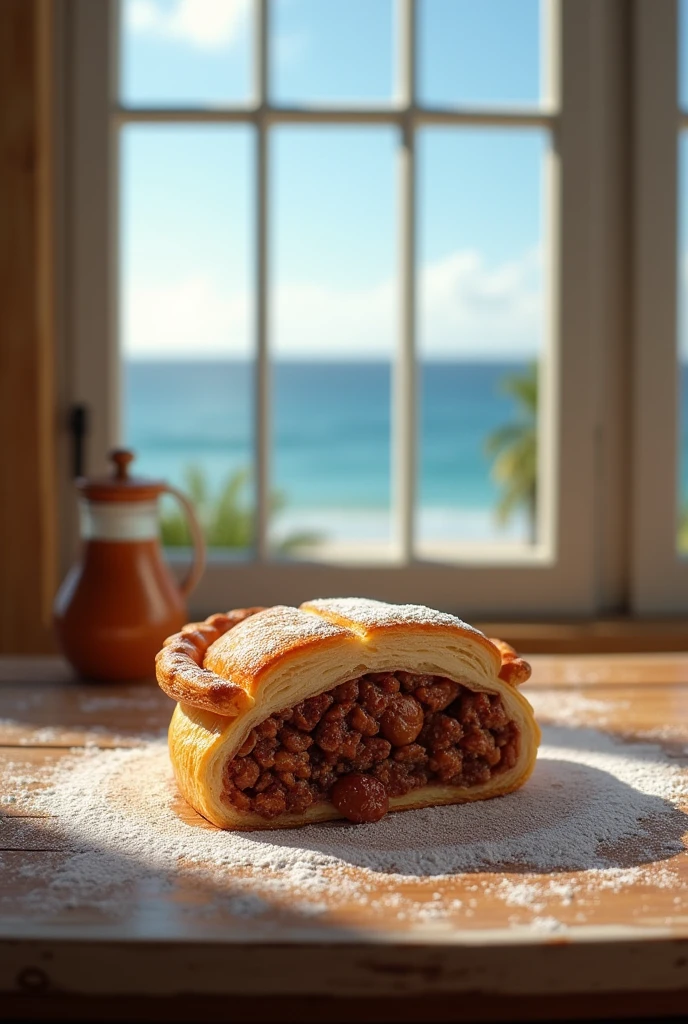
[(227, 519), (683, 530), (513, 448)]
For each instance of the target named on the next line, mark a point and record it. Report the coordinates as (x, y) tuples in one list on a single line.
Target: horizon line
[(343, 358)]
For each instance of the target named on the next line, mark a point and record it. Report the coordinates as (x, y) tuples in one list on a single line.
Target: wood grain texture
[(31, 1005), (27, 394), (594, 636), (148, 948)]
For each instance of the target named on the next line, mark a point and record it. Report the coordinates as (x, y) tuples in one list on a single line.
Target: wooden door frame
[(29, 417)]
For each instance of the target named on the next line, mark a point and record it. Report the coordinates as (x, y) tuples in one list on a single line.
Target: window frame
[(572, 571), (660, 575)]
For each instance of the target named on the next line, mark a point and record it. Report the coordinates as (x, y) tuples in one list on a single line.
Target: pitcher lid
[(119, 486)]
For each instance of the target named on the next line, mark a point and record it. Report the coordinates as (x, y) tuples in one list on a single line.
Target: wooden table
[(159, 955)]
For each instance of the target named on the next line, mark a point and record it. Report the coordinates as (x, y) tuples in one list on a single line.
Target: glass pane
[(333, 313), (479, 52), (683, 54), (186, 52), (331, 50), (480, 299), (186, 313)]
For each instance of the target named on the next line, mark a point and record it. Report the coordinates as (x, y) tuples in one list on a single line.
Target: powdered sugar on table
[(596, 812)]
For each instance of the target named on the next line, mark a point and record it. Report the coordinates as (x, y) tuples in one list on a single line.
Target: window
[(365, 242)]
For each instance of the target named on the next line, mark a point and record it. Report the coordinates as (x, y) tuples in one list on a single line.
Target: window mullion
[(262, 370), (404, 380), (659, 578)]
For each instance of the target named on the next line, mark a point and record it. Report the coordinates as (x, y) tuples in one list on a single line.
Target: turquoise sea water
[(331, 454)]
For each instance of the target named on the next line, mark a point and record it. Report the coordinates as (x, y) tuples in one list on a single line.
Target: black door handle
[(78, 425)]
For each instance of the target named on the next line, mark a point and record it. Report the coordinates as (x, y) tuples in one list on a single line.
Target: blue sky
[(188, 191)]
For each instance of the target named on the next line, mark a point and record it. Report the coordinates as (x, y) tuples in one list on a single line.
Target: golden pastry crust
[(232, 672), (181, 672), (514, 670)]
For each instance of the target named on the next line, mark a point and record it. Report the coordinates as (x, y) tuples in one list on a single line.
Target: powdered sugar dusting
[(266, 636), (362, 611), (596, 814), (232, 663), (575, 708)]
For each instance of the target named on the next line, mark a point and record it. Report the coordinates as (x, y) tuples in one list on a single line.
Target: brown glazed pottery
[(118, 604)]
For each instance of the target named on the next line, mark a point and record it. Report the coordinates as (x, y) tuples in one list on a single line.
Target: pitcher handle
[(198, 563)]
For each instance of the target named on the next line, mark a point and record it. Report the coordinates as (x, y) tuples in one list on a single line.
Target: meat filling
[(369, 739)]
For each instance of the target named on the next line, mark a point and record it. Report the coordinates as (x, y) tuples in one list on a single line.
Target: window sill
[(597, 636)]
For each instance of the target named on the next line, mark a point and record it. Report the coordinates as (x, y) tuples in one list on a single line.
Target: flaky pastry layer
[(270, 659)]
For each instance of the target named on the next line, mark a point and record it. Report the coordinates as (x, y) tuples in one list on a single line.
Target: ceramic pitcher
[(120, 601)]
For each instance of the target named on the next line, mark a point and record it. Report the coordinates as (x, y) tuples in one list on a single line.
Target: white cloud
[(468, 307), (309, 319), (206, 24), (465, 309), (185, 318)]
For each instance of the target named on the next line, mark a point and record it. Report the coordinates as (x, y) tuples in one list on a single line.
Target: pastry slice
[(342, 708)]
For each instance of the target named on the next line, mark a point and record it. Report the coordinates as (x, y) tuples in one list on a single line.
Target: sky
[(188, 193)]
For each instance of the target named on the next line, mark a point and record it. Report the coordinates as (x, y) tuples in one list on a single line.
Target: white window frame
[(577, 567), (660, 575)]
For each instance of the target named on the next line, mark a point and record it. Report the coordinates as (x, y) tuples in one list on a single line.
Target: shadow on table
[(569, 816), (66, 712)]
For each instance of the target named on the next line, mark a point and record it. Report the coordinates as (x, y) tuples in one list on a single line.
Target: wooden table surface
[(155, 951)]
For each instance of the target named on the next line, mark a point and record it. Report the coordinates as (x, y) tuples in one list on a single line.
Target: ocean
[(331, 454)]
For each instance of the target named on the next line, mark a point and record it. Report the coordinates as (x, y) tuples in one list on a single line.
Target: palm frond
[(501, 438), (523, 388), (683, 530), (174, 531), (196, 485), (228, 520), (513, 449), (303, 539)]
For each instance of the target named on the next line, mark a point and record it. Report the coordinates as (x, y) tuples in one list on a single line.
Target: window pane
[(480, 298), (336, 50), (683, 54), (186, 315), (186, 52), (333, 328), (479, 52)]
